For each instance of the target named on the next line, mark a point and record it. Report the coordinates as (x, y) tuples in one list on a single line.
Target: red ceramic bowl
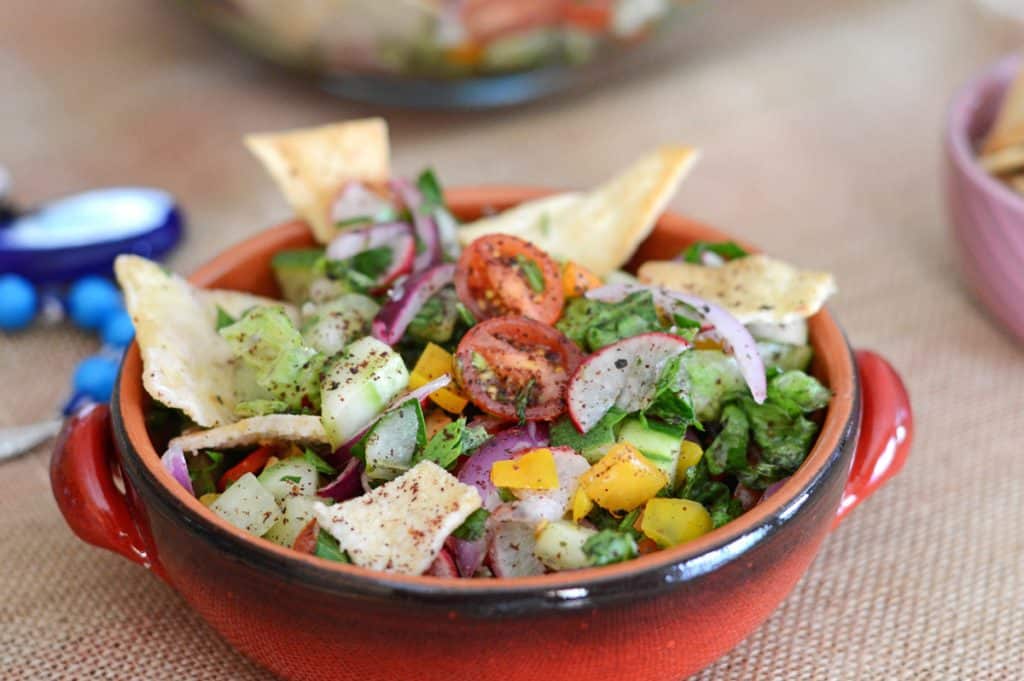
[(662, 616), (987, 216)]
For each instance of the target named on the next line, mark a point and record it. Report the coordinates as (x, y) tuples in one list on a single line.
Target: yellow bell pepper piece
[(581, 505), (674, 521), (690, 454), (577, 280), (434, 363), (623, 479), (533, 470), (208, 499)]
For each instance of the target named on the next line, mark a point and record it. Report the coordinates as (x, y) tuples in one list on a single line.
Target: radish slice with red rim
[(396, 315), (623, 374), (476, 471), (510, 553), (443, 566), (741, 344)]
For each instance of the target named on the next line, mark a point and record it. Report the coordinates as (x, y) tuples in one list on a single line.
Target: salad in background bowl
[(393, 428), (444, 53)]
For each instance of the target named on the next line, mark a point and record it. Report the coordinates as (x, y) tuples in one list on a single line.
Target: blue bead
[(91, 300), (95, 376), (18, 301), (118, 330)]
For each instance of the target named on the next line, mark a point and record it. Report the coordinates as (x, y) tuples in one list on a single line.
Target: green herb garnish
[(223, 318), (319, 464), (610, 546), (327, 547), (531, 270), (728, 250), (293, 479), (451, 442), (474, 526)]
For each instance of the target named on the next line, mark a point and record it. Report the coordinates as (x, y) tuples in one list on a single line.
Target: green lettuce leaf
[(593, 324), (728, 451), (267, 342), (798, 393)]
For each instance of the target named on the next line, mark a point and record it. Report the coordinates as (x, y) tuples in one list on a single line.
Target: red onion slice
[(396, 236), (395, 316), (424, 225), (469, 555), (740, 342), (174, 461), (346, 485)]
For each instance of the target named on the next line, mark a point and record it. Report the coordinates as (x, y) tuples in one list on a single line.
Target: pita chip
[(602, 228), (756, 288), (311, 165), (258, 430)]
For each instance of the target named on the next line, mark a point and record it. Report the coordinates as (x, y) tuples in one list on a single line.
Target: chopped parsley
[(610, 546), (319, 464), (728, 250), (327, 547), (523, 398), (451, 442), (223, 318), (293, 479)]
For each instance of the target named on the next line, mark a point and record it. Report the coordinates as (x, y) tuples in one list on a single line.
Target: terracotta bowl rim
[(962, 112), (673, 565)]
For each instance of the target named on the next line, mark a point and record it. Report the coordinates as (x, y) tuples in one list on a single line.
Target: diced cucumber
[(390, 446), (330, 326), (248, 505), (295, 271), (356, 387), (560, 545), (290, 478), (296, 514), (791, 333), (658, 442)]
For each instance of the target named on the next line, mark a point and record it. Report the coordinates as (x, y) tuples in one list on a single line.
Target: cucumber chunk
[(248, 505), (658, 442), (296, 512), (560, 545), (289, 478), (367, 375)]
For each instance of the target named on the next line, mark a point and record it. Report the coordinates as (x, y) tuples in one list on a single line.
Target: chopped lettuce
[(784, 356), (728, 451), (288, 369), (711, 379), (671, 402), (591, 443), (797, 392), (714, 495), (593, 324), (451, 442), (784, 439), (610, 546)]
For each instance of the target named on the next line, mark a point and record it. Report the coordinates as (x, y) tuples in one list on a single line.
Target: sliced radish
[(443, 566), (738, 339), (511, 551), (395, 236), (622, 375)]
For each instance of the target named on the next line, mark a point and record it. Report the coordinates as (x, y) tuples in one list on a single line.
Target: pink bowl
[(988, 217)]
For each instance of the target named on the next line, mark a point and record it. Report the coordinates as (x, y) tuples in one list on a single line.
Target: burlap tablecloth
[(821, 131)]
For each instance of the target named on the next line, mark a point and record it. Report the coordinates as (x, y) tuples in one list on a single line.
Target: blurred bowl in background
[(444, 53), (987, 216)]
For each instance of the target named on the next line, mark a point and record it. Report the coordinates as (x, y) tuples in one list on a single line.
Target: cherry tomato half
[(501, 275), (516, 368)]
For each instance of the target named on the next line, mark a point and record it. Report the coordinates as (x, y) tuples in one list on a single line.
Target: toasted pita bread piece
[(235, 303), (401, 525), (754, 289), (311, 165), (258, 430), (602, 228), (1008, 129), (186, 364)]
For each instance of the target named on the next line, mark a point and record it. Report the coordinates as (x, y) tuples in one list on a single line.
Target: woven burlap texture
[(821, 130)]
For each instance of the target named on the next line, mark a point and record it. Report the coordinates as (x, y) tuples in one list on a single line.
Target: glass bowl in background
[(444, 53)]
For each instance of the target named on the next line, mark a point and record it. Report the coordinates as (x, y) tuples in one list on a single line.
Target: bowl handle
[(886, 431), (82, 475)]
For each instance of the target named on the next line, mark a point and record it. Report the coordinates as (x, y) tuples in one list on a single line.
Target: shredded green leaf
[(610, 546), (729, 250), (564, 433), (327, 547), (223, 318), (319, 464), (531, 270), (728, 451), (593, 324), (450, 443)]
